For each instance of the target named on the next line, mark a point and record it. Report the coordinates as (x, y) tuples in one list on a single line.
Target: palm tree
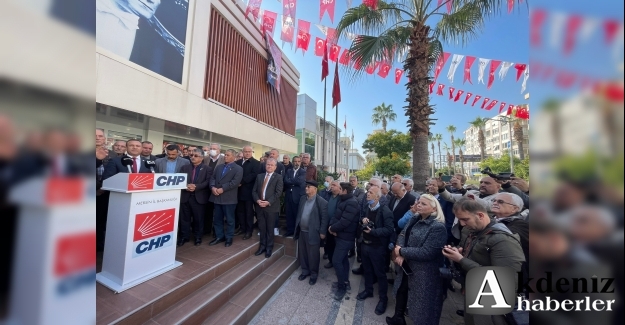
[(460, 143), (439, 137), (382, 114), (449, 159), (479, 123), (518, 137), (451, 129), (413, 31), (432, 139)]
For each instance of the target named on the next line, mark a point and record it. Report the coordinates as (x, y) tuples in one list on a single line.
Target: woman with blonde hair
[(418, 256)]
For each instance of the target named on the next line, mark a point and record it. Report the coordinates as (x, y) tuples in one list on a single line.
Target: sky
[(505, 38)]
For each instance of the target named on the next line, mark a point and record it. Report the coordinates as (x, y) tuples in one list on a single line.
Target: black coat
[(383, 226), (295, 185), (404, 205), (251, 169), (202, 181), (345, 220), (114, 167), (318, 220)]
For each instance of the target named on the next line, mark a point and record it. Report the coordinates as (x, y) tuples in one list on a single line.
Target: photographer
[(485, 243), (377, 228)]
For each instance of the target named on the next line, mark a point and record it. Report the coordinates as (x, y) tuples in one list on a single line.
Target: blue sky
[(504, 38)]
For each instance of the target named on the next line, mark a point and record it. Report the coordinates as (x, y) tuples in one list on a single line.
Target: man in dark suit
[(400, 204), (245, 207), (294, 189), (310, 228), (193, 199), (274, 153), (358, 192), (172, 163), (133, 151), (267, 191), (286, 161), (146, 150), (224, 187)]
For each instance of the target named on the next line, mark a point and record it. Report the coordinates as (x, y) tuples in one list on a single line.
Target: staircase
[(231, 291)]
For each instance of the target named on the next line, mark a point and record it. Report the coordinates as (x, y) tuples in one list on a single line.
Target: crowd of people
[(425, 238)]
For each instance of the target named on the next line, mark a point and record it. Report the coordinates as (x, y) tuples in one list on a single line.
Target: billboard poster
[(274, 62), (150, 33)]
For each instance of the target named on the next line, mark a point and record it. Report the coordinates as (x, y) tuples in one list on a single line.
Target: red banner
[(491, 105), (372, 4), (468, 63), (326, 5), (537, 18), (288, 20), (371, 67), (494, 64), (335, 50), (460, 92), (501, 107), (477, 97), (345, 57), (520, 68), (432, 87), (440, 89), (398, 74), (303, 40), (451, 92), (440, 64), (253, 6), (450, 4), (466, 99), (384, 69), (320, 44), (572, 26), (486, 100), (610, 28), (269, 22), (510, 5)]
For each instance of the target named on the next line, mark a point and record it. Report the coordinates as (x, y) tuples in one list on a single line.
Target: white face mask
[(213, 153), (326, 184)]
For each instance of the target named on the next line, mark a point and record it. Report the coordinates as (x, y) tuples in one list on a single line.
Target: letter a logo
[(490, 291)]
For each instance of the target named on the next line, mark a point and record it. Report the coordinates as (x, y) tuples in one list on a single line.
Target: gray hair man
[(409, 185), (224, 184), (213, 157), (309, 167), (266, 193)]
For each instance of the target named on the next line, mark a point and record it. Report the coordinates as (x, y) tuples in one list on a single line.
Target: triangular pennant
[(486, 100), (504, 69), (432, 87), (455, 61), (526, 75), (477, 97), (467, 68), (440, 89), (458, 94), (451, 92), (372, 4), (466, 99), (494, 64), (520, 68), (491, 105), (510, 5), (572, 26), (440, 63), (326, 6), (398, 74), (501, 107), (537, 19), (482, 68)]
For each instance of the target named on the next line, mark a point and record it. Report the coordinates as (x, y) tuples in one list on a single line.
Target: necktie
[(134, 165), (193, 176), (262, 193), (223, 171)]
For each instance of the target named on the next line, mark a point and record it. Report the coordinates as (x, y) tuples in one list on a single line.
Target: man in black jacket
[(245, 208), (193, 199), (343, 227)]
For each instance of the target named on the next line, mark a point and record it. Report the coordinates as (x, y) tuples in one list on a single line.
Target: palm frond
[(362, 20), (462, 25)]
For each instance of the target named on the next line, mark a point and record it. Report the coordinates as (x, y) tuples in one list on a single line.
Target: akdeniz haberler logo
[(490, 290)]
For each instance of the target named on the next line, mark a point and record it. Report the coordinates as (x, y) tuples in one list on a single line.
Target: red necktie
[(134, 165), (193, 176), (56, 171)]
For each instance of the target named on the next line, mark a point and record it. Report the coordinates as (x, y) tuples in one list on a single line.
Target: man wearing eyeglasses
[(194, 198), (506, 208), (409, 185), (489, 187)]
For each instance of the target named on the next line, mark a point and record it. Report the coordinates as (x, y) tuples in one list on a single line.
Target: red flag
[(331, 36), (326, 5), (510, 5), (494, 64), (288, 20), (610, 28), (460, 92), (468, 62), (320, 45), (384, 69), (253, 6), (324, 63), (371, 67), (372, 4), (439, 64), (269, 22), (432, 87), (501, 107), (537, 18), (336, 88), (510, 109), (450, 4), (572, 26), (357, 64), (486, 100), (303, 25), (440, 89), (491, 105), (345, 124), (345, 57), (520, 68), (477, 97), (303, 40), (466, 99), (335, 50), (451, 92), (398, 74), (522, 113)]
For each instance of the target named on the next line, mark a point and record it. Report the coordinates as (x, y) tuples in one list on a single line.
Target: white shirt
[(115, 29), (268, 176)]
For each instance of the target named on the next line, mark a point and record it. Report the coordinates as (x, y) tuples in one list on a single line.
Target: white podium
[(54, 260), (141, 228)]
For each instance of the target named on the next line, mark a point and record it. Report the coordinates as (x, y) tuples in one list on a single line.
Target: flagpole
[(323, 153), (336, 139)]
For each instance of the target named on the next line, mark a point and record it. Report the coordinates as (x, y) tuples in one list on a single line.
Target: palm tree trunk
[(384, 124), (419, 110), (521, 152), (433, 157), (453, 151), (440, 155)]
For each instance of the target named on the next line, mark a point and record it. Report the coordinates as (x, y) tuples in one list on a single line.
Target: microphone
[(149, 164), (127, 161)]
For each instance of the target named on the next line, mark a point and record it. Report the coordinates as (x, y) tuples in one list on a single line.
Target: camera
[(369, 225), (451, 273), (500, 176)]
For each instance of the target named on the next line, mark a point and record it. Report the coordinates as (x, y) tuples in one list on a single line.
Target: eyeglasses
[(196, 156), (500, 201), (405, 184)]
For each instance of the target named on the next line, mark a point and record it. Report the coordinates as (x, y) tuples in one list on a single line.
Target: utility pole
[(323, 152)]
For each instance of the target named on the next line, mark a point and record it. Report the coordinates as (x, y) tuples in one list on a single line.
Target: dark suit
[(115, 167), (193, 204), (359, 194), (227, 177), (448, 211), (402, 207), (294, 189), (279, 169), (245, 207), (308, 241), (267, 215)]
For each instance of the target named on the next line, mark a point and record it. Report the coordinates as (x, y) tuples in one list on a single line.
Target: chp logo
[(140, 182), (152, 231), (74, 262)]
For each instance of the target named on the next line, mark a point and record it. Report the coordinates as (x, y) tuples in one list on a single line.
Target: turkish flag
[(324, 63), (510, 109), (432, 87), (520, 68), (335, 50), (460, 92), (486, 100), (477, 97), (501, 107), (494, 64), (336, 88), (491, 105), (303, 40), (371, 67), (384, 69), (372, 4), (440, 63), (331, 36), (451, 92), (269, 22), (440, 89), (345, 57), (320, 45), (398, 73), (326, 5), (466, 99), (468, 62), (572, 26), (537, 19)]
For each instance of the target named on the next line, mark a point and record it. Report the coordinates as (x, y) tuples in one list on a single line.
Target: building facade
[(355, 161), (195, 72)]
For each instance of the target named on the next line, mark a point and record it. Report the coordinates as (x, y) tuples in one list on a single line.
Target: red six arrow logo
[(138, 182), (154, 223)]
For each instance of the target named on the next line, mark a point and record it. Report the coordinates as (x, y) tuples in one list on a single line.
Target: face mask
[(213, 153), (205, 153), (326, 184), (371, 202)]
